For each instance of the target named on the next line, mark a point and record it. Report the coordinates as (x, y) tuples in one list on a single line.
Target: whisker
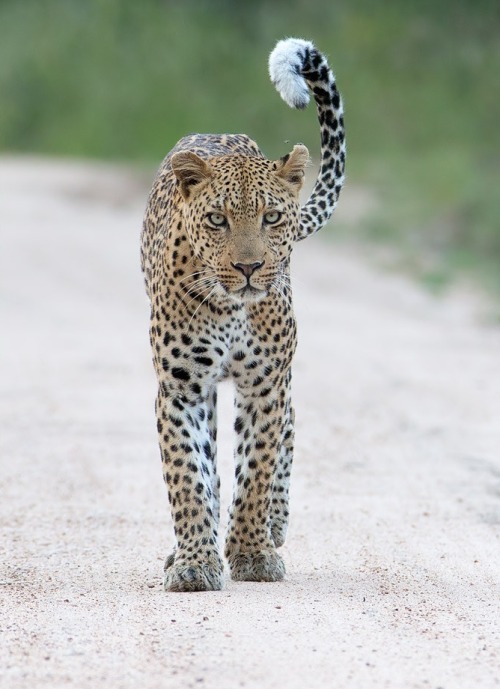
[(286, 284), (294, 280), (280, 288), (192, 275), (199, 283), (210, 285), (201, 304)]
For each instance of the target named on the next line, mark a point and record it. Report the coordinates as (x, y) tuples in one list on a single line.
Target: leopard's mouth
[(248, 293)]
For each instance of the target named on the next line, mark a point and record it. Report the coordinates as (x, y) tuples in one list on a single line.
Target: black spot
[(321, 95), (204, 360), (176, 421), (180, 374), (186, 339), (315, 59)]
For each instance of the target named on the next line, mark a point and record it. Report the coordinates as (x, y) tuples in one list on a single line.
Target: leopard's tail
[(297, 67)]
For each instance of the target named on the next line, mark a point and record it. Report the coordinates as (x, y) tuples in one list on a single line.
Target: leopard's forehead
[(246, 184)]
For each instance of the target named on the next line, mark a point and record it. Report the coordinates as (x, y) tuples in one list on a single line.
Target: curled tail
[(297, 67)]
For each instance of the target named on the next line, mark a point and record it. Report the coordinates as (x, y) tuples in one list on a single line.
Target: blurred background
[(124, 80)]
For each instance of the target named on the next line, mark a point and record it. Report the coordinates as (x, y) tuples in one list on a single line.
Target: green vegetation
[(124, 79)]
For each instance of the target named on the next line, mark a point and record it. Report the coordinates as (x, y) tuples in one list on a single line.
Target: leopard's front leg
[(260, 417), (187, 443), (281, 483)]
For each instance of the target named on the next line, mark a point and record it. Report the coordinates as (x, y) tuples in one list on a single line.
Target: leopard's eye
[(272, 217), (217, 219)]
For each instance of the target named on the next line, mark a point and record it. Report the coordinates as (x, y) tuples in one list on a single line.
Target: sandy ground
[(393, 553)]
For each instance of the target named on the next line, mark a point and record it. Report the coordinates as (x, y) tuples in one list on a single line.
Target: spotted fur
[(219, 228)]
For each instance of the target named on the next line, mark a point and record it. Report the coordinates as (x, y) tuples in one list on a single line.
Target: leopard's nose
[(248, 269)]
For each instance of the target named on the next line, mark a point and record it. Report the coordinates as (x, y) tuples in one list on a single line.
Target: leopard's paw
[(205, 575), (261, 565)]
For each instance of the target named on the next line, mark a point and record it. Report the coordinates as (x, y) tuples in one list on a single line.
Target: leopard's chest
[(250, 345), (261, 347)]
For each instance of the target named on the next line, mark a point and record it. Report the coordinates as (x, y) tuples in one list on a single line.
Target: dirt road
[(393, 554)]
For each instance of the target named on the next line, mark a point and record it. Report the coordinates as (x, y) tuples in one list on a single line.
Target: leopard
[(219, 228)]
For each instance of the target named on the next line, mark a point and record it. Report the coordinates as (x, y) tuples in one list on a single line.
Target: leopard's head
[(241, 215)]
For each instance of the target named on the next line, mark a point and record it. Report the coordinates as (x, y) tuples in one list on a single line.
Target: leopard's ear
[(191, 171), (292, 166)]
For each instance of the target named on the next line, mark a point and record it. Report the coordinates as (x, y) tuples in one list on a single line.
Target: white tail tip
[(285, 65)]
